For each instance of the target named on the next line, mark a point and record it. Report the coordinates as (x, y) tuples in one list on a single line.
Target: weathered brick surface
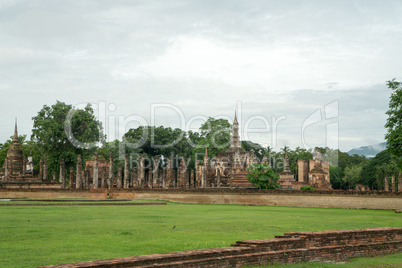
[(53, 193), (290, 248), (122, 194), (280, 198), (86, 204), (327, 199)]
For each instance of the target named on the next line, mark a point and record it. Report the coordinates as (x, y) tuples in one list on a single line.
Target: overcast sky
[(311, 72)]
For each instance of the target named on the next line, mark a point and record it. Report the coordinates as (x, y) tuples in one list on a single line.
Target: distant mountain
[(369, 151)]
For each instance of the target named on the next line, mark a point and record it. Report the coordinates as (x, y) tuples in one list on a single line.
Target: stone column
[(24, 166), (119, 177), (169, 173), (71, 178), (160, 178), (41, 169), (218, 178), (203, 177), (87, 178), (182, 176), (174, 182), (45, 176), (133, 177), (82, 176), (198, 172), (103, 177), (110, 179), (126, 172), (386, 184), (6, 172), (54, 177), (393, 183), (141, 172), (78, 178), (192, 179), (150, 180), (96, 171), (62, 175), (82, 179), (155, 172), (164, 176)]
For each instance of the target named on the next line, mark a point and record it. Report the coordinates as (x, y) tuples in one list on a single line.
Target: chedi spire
[(15, 138), (235, 139)]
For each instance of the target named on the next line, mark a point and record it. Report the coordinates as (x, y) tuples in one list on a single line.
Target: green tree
[(371, 173), (62, 131), (385, 170), (154, 141), (353, 176), (262, 176), (161, 141), (256, 148), (336, 176), (394, 121), (214, 135)]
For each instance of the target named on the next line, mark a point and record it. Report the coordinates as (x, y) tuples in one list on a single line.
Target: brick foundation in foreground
[(339, 245)]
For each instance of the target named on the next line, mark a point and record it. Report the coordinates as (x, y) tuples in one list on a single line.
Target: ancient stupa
[(14, 163)]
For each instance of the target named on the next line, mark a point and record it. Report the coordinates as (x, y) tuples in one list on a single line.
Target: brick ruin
[(334, 246), (287, 178), (313, 172), (226, 170), (16, 168)]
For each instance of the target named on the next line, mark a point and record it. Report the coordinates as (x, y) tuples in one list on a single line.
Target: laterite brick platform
[(296, 247)]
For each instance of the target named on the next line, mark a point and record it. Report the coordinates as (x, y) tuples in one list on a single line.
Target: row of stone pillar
[(126, 178), (393, 186)]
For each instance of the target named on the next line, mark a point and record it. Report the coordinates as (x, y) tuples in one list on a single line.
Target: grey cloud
[(70, 50)]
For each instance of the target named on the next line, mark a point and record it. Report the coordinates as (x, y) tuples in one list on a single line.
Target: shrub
[(262, 176), (308, 188)]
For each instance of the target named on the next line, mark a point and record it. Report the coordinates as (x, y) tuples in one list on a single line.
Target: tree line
[(62, 131)]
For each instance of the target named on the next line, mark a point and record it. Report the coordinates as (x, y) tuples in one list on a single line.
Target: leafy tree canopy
[(353, 175), (336, 176), (376, 168), (214, 135), (394, 121), (262, 176), (154, 141), (256, 148), (64, 132)]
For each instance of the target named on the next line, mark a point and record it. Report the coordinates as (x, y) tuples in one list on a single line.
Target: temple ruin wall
[(333, 199)]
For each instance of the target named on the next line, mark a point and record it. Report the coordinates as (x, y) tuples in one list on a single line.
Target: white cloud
[(278, 58)]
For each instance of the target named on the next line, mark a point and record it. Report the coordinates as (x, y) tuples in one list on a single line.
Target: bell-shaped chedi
[(15, 155), (286, 178)]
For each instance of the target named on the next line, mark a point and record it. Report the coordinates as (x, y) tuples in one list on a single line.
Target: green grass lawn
[(35, 236)]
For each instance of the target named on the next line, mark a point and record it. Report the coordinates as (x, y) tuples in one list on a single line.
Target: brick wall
[(122, 194), (337, 245), (327, 199), (53, 193), (280, 198)]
